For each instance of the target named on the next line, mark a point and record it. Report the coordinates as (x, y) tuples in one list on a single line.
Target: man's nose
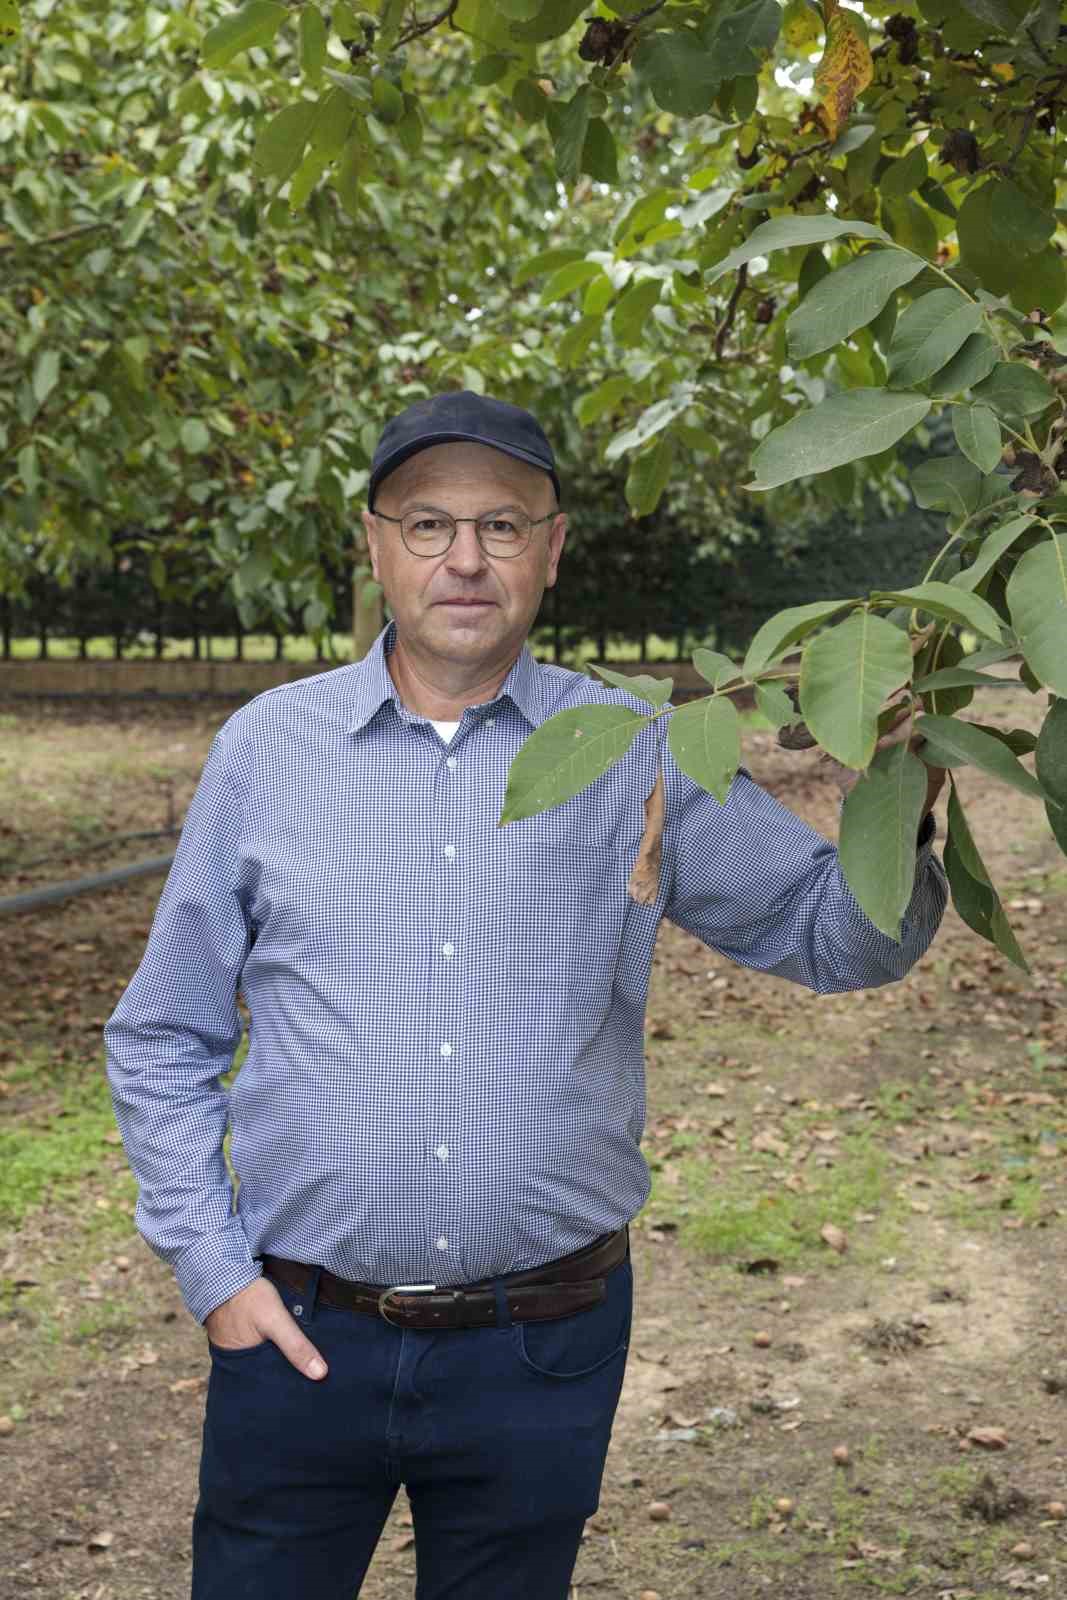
[(465, 554)]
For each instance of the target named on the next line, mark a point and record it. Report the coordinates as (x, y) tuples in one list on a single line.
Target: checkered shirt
[(445, 1075)]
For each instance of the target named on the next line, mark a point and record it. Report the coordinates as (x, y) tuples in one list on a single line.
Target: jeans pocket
[(579, 1345)]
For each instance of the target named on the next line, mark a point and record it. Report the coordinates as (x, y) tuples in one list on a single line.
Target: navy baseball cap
[(461, 416)]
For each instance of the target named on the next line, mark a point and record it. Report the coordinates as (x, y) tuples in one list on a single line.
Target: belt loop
[(503, 1313), (311, 1294)]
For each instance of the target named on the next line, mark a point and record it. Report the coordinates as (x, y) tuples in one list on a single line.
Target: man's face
[(465, 607)]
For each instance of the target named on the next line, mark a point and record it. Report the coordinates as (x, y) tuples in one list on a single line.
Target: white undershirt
[(445, 729)]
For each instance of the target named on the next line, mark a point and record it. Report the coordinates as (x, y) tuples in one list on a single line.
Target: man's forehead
[(463, 465)]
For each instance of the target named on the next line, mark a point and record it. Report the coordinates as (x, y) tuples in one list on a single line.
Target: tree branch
[(54, 238), (731, 310)]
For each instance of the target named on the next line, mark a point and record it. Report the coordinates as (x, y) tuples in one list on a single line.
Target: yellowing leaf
[(845, 69)]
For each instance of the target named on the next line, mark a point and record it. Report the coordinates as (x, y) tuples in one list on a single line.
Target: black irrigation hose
[(33, 898)]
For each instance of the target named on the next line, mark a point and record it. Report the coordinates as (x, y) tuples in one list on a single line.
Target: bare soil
[(924, 1342)]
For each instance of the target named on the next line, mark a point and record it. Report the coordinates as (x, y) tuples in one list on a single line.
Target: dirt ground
[(847, 1372)]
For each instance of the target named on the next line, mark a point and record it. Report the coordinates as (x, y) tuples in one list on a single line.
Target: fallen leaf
[(834, 1237), (644, 875), (101, 1541), (989, 1438)]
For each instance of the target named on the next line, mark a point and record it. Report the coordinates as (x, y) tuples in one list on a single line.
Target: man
[(425, 1278)]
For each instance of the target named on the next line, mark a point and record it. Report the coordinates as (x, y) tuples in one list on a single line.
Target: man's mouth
[(465, 602)]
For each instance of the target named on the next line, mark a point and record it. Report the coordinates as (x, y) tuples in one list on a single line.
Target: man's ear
[(556, 540), (370, 525)]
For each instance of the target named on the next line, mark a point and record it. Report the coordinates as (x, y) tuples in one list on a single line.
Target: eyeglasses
[(501, 534)]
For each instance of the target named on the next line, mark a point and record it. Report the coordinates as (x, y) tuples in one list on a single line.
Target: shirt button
[(441, 1152), (451, 763), (448, 949), (489, 721), (442, 1243), (446, 1049), (450, 852)]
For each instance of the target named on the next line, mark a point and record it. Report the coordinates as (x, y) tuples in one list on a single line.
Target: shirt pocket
[(565, 905)]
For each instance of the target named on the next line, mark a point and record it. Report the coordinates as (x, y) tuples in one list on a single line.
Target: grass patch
[(723, 1216), (58, 1151)]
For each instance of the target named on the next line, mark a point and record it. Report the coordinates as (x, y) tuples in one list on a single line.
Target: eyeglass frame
[(422, 555)]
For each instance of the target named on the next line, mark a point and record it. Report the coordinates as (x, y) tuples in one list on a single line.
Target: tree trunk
[(279, 647), (196, 644), (83, 646), (207, 645), (238, 641), (42, 641), (602, 646), (5, 625), (644, 647), (160, 625)]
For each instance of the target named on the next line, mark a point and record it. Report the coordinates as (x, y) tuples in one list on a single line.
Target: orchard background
[(786, 287)]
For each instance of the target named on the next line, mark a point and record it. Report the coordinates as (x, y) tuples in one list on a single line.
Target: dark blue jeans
[(499, 1436)]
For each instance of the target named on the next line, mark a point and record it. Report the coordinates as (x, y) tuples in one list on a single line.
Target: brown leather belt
[(558, 1289)]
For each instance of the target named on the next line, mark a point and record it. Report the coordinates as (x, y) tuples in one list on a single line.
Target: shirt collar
[(373, 686)]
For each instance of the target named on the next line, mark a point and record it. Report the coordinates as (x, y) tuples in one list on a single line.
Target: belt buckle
[(401, 1288)]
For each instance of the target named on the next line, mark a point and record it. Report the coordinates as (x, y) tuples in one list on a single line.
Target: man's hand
[(257, 1314), (844, 777)]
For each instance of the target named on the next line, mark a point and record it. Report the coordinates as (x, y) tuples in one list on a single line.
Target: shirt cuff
[(215, 1268), (927, 830)]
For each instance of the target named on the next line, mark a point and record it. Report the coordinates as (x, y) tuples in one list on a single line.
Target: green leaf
[(545, 261), (997, 227), (928, 333), (332, 126), (846, 674), (1037, 602), (973, 361), (741, 39), (977, 433), (714, 667), (565, 755), (911, 226), (10, 21), (704, 738), (650, 422), (879, 824), (904, 176), (490, 69), (1015, 391), (530, 100), (657, 691), (848, 299), (387, 100), (955, 605), (255, 23), (1044, 284), (993, 547), (860, 422), (45, 375), (552, 20), (280, 144), (630, 317), (774, 704), (947, 483), (784, 233), (568, 278), (28, 468), (648, 477), (973, 895), (306, 177), (313, 36), (599, 156), (1050, 758), (357, 88), (952, 743), (681, 72), (604, 398), (194, 436), (576, 341), (957, 678), (568, 124), (773, 639)]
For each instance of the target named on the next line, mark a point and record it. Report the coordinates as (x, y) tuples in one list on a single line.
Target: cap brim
[(404, 452)]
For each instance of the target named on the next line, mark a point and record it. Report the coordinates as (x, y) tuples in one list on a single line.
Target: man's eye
[(500, 526), (427, 525)]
